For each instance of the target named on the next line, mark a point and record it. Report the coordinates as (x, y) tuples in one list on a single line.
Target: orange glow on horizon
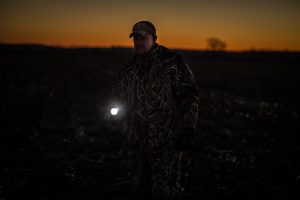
[(173, 43), (184, 25)]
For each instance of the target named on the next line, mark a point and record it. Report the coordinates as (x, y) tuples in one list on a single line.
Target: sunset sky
[(185, 24)]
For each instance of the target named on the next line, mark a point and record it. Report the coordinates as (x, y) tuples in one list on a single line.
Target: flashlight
[(114, 111)]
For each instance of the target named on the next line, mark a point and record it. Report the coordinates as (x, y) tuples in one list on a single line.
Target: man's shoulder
[(173, 59), (167, 55)]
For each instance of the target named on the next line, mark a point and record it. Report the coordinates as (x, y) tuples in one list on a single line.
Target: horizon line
[(131, 47)]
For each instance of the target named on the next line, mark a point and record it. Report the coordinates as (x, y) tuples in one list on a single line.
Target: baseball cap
[(142, 28)]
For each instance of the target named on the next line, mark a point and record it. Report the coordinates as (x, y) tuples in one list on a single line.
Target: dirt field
[(56, 143)]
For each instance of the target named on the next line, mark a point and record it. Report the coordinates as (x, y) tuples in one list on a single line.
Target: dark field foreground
[(56, 143)]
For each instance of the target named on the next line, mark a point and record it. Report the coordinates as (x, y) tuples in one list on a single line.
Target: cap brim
[(131, 35), (138, 32)]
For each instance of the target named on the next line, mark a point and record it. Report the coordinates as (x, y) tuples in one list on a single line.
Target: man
[(159, 97)]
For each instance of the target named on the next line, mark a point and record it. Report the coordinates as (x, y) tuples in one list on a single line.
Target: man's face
[(143, 44)]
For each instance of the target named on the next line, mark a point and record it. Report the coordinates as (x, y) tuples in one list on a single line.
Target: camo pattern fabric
[(160, 97)]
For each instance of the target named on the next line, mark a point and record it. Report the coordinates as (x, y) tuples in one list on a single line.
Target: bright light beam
[(114, 111)]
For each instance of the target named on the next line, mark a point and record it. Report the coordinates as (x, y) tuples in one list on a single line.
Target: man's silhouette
[(159, 95)]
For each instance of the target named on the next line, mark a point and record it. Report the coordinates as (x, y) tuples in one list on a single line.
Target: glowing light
[(114, 111)]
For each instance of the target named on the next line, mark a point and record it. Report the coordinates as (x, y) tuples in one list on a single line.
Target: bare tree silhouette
[(215, 44)]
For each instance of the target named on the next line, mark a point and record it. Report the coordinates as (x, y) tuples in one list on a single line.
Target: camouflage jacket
[(157, 90), (159, 95)]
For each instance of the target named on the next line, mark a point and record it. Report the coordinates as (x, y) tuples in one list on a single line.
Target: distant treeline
[(199, 54)]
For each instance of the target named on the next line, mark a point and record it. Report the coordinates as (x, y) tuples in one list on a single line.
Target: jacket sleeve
[(186, 94)]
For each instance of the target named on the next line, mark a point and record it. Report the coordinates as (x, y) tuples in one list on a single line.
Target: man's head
[(144, 36)]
